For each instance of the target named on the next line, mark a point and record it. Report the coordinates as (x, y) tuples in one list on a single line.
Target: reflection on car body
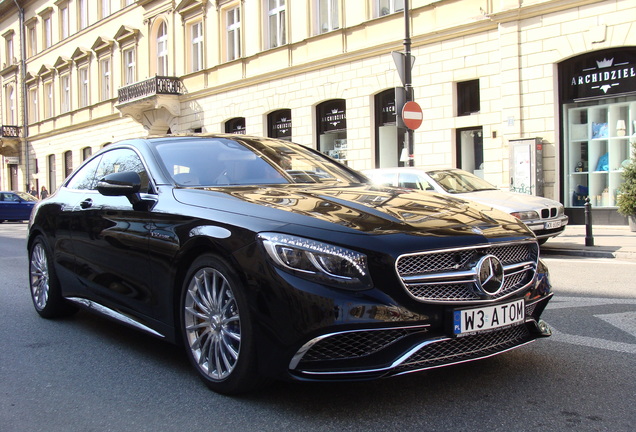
[(545, 217), (268, 260)]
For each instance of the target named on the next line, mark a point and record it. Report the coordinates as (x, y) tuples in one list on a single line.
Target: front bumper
[(383, 352), (545, 228)]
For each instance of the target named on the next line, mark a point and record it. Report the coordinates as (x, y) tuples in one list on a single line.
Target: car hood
[(508, 201), (355, 208)]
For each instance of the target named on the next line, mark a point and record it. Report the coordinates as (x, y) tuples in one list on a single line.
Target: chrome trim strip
[(307, 346), (113, 314), (469, 275), (480, 246)]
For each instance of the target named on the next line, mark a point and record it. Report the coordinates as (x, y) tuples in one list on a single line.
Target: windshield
[(457, 181), (214, 161), (26, 196)]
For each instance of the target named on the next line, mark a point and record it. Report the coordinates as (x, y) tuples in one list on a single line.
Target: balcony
[(153, 94), (9, 140)]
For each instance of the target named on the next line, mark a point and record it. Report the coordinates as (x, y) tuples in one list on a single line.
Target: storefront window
[(599, 115), (332, 130), (279, 124), (389, 138), (235, 126), (470, 150)]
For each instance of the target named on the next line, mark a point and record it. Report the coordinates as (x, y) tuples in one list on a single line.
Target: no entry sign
[(412, 115)]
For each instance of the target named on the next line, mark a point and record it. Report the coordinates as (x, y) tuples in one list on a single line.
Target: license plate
[(477, 320), (553, 224)]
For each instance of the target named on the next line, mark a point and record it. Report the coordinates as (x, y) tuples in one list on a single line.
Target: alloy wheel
[(212, 323), (39, 272)]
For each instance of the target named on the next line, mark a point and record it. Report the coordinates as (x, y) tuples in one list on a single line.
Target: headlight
[(318, 261), (525, 215)]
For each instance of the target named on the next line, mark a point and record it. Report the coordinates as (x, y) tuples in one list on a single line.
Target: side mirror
[(126, 183)]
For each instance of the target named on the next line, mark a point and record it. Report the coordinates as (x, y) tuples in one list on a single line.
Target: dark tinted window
[(468, 97), (84, 178), (117, 160), (120, 160)]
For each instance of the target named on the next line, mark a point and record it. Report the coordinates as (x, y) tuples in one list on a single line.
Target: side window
[(120, 160), (85, 177)]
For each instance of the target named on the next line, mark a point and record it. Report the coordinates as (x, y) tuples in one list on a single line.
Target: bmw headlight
[(318, 261), (525, 215)]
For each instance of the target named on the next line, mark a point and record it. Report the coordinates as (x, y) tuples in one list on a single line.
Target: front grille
[(355, 344), (449, 275), (466, 348)]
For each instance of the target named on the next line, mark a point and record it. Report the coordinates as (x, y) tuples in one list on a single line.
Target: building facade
[(534, 95)]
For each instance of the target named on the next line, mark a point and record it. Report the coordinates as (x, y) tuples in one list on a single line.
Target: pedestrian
[(33, 191), (44, 193)]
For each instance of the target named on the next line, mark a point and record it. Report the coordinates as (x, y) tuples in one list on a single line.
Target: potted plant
[(626, 200)]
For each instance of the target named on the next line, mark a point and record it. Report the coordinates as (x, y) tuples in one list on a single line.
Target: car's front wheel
[(45, 287), (216, 327)]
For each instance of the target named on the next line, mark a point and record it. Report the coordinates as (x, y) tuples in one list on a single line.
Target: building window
[(327, 16), (276, 23), (104, 72), (467, 97), (65, 92), (86, 153), (48, 32), (9, 50), (235, 126), (10, 112), (32, 39), (52, 175), (83, 14), (83, 87), (162, 49), (233, 33), (386, 7), (470, 150), (48, 99), (389, 138), (33, 105), (196, 53), (105, 10), (64, 22), (279, 124), (332, 128), (68, 163), (129, 66)]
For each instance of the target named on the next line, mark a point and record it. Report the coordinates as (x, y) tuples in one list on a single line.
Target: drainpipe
[(24, 93)]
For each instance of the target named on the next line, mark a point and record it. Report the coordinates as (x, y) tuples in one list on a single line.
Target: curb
[(585, 253)]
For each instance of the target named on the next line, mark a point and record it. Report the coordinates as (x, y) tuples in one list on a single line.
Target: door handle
[(87, 203)]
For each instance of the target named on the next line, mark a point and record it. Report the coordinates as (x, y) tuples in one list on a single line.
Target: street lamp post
[(408, 87)]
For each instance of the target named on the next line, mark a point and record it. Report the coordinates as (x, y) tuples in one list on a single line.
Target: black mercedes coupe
[(269, 260)]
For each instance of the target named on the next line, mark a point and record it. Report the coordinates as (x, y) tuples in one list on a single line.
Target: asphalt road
[(88, 374)]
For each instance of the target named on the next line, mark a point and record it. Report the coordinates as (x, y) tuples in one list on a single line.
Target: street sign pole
[(409, 138)]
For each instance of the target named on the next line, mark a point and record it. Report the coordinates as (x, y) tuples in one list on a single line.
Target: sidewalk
[(610, 241)]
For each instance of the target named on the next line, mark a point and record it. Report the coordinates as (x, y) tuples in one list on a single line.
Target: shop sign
[(598, 75), (12, 160)]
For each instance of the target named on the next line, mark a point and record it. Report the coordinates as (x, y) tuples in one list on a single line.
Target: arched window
[(279, 124), (332, 128), (162, 49), (235, 126)]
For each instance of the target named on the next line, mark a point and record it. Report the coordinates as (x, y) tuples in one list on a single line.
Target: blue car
[(16, 206)]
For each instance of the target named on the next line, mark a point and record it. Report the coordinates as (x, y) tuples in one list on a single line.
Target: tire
[(216, 327), (46, 292)]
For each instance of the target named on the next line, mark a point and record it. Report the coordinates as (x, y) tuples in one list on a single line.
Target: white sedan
[(545, 217)]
